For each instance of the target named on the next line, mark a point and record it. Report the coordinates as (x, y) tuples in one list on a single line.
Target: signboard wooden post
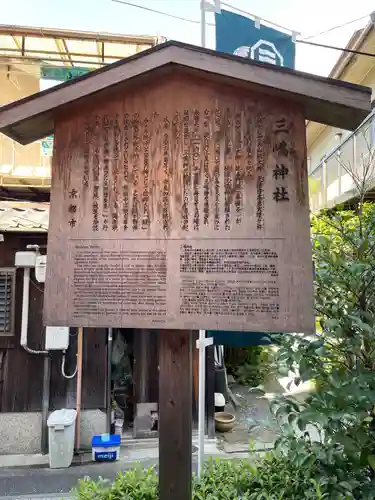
[(175, 414), (179, 201)]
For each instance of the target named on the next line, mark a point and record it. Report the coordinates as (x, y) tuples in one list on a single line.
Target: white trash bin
[(61, 433)]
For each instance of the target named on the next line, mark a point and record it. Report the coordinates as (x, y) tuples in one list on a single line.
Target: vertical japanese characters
[(96, 175), (206, 167), (116, 172), (190, 170), (281, 171), (260, 171), (166, 181), (135, 171), (125, 173), (146, 174), (196, 144)]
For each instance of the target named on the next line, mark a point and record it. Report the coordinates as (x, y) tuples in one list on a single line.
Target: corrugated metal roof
[(19, 216)]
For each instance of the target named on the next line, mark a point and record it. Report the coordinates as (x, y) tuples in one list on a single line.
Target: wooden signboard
[(181, 205)]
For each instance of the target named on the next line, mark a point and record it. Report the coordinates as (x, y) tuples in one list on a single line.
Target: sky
[(306, 17)]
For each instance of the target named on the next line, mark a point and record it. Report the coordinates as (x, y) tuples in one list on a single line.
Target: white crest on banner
[(262, 51), (243, 51), (267, 52)]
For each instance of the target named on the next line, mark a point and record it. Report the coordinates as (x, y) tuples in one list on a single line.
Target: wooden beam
[(67, 51), (49, 59), (18, 43), (175, 416), (60, 48), (99, 51)]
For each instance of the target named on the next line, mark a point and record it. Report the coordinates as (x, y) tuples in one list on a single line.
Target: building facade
[(333, 153)]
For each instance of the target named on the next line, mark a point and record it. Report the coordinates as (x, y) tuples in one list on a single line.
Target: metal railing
[(331, 182)]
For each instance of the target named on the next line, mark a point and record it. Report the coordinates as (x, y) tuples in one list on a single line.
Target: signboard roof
[(325, 100)]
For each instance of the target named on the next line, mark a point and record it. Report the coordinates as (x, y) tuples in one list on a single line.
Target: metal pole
[(45, 401), (79, 386), (203, 23), (201, 402), (109, 377)]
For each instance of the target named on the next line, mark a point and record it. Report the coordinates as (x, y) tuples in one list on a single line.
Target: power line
[(258, 17), (336, 27), (160, 12), (332, 47)]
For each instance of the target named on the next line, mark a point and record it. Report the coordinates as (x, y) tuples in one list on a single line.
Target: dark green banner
[(240, 35), (241, 339)]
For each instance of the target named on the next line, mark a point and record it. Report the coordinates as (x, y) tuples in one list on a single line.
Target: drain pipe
[(79, 387), (46, 362), (45, 401), (25, 312)]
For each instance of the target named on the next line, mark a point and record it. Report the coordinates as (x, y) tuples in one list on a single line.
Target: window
[(7, 298)]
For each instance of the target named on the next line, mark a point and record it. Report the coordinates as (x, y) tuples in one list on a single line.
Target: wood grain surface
[(182, 204)]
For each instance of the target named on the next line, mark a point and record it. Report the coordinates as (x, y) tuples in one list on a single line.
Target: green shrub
[(341, 360), (249, 365), (135, 484), (274, 477)]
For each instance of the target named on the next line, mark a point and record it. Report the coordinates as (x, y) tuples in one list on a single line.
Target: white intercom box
[(40, 268), (57, 338)]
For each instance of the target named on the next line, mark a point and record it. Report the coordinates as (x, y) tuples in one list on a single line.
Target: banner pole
[(203, 23)]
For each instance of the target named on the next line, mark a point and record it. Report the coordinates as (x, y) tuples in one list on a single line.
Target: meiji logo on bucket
[(106, 456)]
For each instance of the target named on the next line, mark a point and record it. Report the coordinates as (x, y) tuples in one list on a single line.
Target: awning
[(43, 47)]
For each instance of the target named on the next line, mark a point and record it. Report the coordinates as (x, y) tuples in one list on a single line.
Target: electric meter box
[(25, 259), (57, 338), (40, 268)]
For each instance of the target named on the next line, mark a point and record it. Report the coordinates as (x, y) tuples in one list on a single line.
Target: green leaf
[(346, 486), (301, 424), (371, 461), (292, 417)]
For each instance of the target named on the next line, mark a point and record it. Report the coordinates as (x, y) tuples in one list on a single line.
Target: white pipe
[(63, 372), (25, 306), (203, 23), (201, 401), (25, 312)]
